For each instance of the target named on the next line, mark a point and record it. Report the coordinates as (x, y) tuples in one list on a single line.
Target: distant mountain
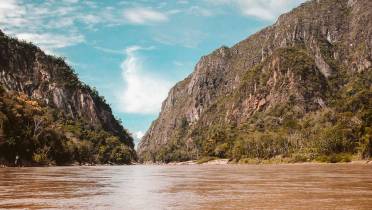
[(48, 116), (297, 90)]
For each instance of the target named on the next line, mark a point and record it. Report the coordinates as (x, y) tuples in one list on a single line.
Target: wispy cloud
[(180, 36), (71, 1), (47, 24), (108, 50), (144, 16), (200, 11), (11, 12), (263, 9), (49, 42), (143, 92), (139, 134), (57, 24), (183, 2)]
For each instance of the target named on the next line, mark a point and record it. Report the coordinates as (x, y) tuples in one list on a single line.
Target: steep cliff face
[(25, 68), (27, 71), (286, 73)]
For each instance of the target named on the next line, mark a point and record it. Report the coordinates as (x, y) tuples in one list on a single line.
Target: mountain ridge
[(28, 76), (324, 47)]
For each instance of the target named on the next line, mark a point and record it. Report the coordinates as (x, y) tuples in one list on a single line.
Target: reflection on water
[(338, 186)]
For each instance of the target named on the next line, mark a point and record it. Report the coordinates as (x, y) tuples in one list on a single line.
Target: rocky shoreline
[(229, 162), (67, 165), (210, 162)]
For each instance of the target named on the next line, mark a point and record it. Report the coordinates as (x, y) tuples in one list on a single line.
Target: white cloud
[(66, 20), (199, 11), (90, 19), (6, 5), (52, 24), (178, 63), (71, 1), (144, 16), (182, 1), (267, 9), (49, 42), (143, 93), (177, 36), (263, 9), (139, 134), (108, 50), (11, 12), (48, 24)]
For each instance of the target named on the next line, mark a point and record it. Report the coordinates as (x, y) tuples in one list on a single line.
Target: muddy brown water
[(307, 186)]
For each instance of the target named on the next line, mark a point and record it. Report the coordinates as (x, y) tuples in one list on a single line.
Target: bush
[(121, 154), (221, 150), (261, 145), (334, 139), (299, 158), (365, 144), (335, 158), (40, 156), (249, 161)]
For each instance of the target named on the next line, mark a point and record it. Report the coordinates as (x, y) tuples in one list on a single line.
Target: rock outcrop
[(49, 81), (300, 65), (25, 68)]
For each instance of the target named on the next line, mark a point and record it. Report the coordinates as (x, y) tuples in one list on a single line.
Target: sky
[(134, 51)]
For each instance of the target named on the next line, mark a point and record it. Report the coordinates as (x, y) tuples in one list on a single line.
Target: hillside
[(299, 90), (48, 116)]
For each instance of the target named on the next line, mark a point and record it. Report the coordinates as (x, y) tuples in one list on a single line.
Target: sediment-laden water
[(306, 186)]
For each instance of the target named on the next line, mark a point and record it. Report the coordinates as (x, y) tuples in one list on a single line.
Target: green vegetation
[(41, 135), (296, 129), (335, 158), (324, 135), (176, 149)]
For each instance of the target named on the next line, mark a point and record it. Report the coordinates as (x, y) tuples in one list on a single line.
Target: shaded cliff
[(300, 88), (41, 98)]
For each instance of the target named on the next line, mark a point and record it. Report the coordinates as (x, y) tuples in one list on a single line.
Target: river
[(302, 186)]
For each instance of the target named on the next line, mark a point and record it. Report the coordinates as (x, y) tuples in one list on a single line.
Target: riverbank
[(217, 161), (213, 161), (2, 165)]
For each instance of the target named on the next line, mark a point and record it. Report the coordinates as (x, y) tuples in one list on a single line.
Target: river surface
[(307, 186)]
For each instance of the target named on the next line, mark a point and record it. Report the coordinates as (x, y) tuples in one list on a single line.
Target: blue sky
[(134, 51)]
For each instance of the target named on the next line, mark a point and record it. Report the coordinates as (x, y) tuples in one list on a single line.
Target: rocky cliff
[(49, 82), (299, 88)]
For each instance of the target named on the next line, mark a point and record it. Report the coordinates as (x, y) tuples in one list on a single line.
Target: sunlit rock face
[(25, 68), (294, 61)]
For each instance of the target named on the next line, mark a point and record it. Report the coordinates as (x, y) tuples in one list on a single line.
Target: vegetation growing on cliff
[(295, 131), (48, 116), (41, 135)]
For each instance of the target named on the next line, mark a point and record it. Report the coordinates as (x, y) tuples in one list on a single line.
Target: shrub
[(335, 158), (221, 150), (249, 161), (365, 144), (40, 156), (121, 154), (261, 145), (299, 158)]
